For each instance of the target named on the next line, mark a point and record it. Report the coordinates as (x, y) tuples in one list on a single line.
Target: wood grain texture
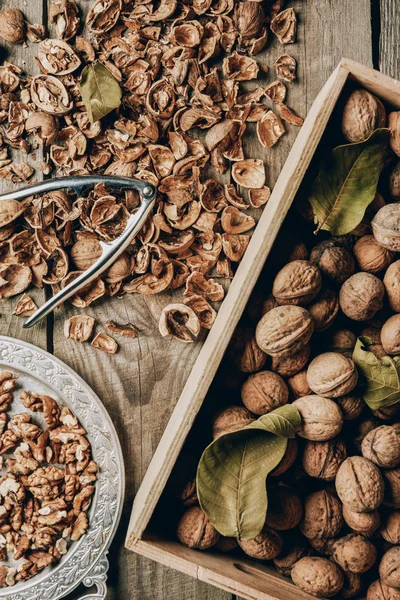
[(389, 62)]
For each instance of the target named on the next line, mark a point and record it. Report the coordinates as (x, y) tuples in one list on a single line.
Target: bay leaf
[(347, 183), (100, 91), (380, 377), (231, 476)]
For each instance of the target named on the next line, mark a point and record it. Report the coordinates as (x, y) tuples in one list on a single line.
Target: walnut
[(285, 562), (79, 328), (394, 126), (195, 530), (323, 459), (189, 494), (104, 342), (12, 25), (390, 530), (284, 330), (247, 356), (352, 585), (321, 418), (298, 384), (394, 182), (288, 459), (322, 515), (359, 484), (285, 509), (365, 523), (382, 447), (380, 591), (287, 366), (361, 296), (363, 427), (334, 259), (386, 226), (391, 478), (332, 375), (265, 546), (297, 283), (391, 282), (179, 321), (390, 335), (324, 309), (318, 576), (342, 341), (371, 256), (351, 406), (226, 544), (264, 391), (354, 553), (79, 527), (231, 419), (323, 545), (362, 114)]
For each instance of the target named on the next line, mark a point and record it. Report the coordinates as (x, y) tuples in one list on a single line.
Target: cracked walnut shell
[(195, 530), (284, 330), (79, 328), (297, 283), (359, 484), (321, 418), (332, 375)]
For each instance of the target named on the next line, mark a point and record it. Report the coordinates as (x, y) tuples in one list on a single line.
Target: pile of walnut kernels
[(47, 485), (333, 520)]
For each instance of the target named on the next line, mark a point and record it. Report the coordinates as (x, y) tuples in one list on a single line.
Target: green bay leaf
[(100, 91), (233, 468), (380, 377), (347, 183)]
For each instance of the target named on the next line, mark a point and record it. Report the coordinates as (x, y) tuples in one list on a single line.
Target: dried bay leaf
[(347, 183), (233, 468), (380, 376), (100, 91)]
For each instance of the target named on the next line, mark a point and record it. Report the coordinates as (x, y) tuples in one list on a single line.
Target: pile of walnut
[(47, 486), (333, 520), (164, 57)]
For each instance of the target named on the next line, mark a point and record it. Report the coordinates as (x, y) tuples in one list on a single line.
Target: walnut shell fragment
[(259, 197), (14, 279), (233, 221), (127, 330), (284, 26), (79, 328), (25, 306), (203, 310), (276, 91), (285, 67), (180, 321), (288, 115), (64, 14), (103, 15), (105, 343), (270, 129), (10, 210), (50, 95), (249, 173)]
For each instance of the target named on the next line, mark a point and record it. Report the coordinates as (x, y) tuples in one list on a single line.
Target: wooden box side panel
[(246, 277)]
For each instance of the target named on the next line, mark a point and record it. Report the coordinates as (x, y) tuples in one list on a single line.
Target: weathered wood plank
[(389, 33)]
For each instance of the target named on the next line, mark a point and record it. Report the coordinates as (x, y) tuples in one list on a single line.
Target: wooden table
[(141, 384)]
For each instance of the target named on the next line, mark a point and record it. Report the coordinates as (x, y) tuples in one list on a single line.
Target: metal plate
[(86, 559)]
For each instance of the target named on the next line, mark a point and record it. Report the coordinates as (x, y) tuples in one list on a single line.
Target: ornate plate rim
[(110, 487)]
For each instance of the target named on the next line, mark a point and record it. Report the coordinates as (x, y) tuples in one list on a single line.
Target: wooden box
[(237, 574)]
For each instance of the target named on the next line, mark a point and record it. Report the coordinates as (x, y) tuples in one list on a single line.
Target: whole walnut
[(297, 283), (380, 591), (288, 458), (363, 427), (332, 375), (246, 354), (323, 545), (390, 335), (226, 544), (382, 447), (285, 508), (264, 391), (195, 530), (391, 281), (12, 25), (359, 484), (342, 341), (362, 114), (318, 576), (387, 413), (334, 259), (351, 406), (323, 459), (189, 494), (391, 478), (394, 126), (354, 553), (324, 309), (322, 516), (298, 384), (285, 562), (394, 181), (321, 418), (365, 523), (286, 366), (352, 585), (389, 567), (386, 224), (265, 546), (284, 330), (390, 530), (231, 419), (371, 256), (298, 252), (361, 296)]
